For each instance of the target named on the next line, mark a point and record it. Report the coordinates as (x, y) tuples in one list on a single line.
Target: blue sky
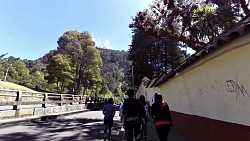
[(30, 28)]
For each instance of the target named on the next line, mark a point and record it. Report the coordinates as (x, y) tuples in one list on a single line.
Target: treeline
[(77, 66)]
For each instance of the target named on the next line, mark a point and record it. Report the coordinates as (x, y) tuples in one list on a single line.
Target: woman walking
[(145, 119), (162, 118)]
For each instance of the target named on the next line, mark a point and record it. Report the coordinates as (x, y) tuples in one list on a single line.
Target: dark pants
[(163, 131), (144, 128), (107, 125), (133, 128)]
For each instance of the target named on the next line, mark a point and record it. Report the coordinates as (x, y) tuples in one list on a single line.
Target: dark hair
[(142, 99), (110, 101), (158, 98), (130, 92)]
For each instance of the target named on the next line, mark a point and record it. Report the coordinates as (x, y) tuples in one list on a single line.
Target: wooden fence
[(16, 103)]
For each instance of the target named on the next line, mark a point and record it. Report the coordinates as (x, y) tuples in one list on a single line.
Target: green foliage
[(2, 59), (22, 72), (208, 22), (152, 56), (60, 72), (160, 33), (105, 92), (189, 22), (76, 66), (18, 72), (84, 59), (116, 65)]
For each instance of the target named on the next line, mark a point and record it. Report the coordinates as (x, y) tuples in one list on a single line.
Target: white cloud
[(97, 42), (107, 44), (94, 39)]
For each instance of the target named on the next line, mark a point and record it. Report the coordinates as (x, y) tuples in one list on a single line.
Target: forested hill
[(115, 67)]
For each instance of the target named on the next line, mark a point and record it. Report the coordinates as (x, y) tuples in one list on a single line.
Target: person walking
[(121, 108), (145, 121), (162, 118), (123, 118), (109, 113), (134, 113)]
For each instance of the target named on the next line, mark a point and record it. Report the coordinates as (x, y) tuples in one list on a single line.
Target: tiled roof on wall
[(239, 29), (145, 81)]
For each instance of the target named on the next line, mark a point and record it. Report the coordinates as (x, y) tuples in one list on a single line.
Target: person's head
[(110, 101), (142, 99), (158, 98), (130, 93)]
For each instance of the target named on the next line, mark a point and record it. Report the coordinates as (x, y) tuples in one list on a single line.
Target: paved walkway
[(152, 135), (71, 127)]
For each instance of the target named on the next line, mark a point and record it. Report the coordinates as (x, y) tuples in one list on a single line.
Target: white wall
[(147, 92), (216, 87)]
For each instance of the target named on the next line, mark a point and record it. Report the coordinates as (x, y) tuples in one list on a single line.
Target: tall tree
[(152, 56), (241, 5), (161, 32), (18, 72), (60, 72), (179, 19), (80, 48)]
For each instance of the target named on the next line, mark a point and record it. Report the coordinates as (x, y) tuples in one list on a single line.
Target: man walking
[(109, 113), (134, 113)]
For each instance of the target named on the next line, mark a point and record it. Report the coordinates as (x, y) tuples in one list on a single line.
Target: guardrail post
[(91, 100), (72, 99), (45, 99), (86, 101), (61, 98), (80, 99), (18, 101), (98, 102)]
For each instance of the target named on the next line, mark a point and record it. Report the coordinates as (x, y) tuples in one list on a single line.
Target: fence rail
[(16, 103)]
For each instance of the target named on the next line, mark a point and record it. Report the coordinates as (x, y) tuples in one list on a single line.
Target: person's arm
[(114, 109), (142, 111), (103, 110), (153, 111), (124, 108)]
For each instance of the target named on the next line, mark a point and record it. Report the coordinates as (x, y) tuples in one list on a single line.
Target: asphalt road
[(87, 126)]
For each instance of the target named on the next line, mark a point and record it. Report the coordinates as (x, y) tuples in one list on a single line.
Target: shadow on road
[(77, 129)]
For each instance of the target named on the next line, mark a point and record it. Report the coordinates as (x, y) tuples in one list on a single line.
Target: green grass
[(12, 86)]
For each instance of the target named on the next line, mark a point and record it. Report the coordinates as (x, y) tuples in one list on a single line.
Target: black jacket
[(133, 108), (160, 113)]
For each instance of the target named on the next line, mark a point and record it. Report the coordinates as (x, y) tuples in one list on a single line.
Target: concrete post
[(18, 100), (45, 98), (61, 98)]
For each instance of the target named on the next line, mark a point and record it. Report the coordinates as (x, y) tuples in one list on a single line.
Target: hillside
[(12, 86), (115, 66)]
